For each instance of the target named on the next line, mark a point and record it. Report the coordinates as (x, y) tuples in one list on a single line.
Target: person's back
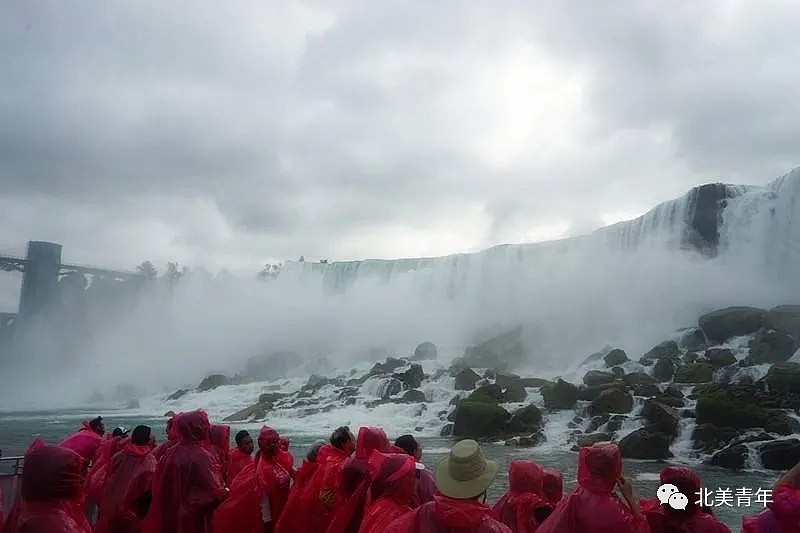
[(51, 495), (187, 487), (127, 492), (462, 479), (87, 440), (426, 485), (391, 491), (523, 508), (783, 514), (552, 486), (593, 507), (220, 437)]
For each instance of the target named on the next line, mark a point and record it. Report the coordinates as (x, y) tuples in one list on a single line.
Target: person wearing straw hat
[(462, 479)]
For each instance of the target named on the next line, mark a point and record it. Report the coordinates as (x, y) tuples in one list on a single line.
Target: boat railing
[(10, 478)]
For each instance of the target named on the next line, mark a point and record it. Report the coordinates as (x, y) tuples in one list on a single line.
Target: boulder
[(597, 377), (588, 394), (597, 422), (515, 393), (502, 352), (560, 395), (387, 367), (618, 372), (694, 373), (723, 324), (646, 389), (525, 420), (780, 454), (616, 357), (638, 378), (611, 401), (466, 379), (708, 437), (413, 396), (506, 380), (671, 401), (585, 441), (733, 457), (784, 378), (447, 430), (693, 340), (771, 346), (389, 387), (597, 356), (664, 369), (425, 352), (615, 424), (211, 382), (667, 349), (726, 408), (674, 391), (254, 412), (534, 439), (177, 394), (534, 383), (645, 444), (660, 418), (479, 420), (785, 318), (691, 357), (719, 357), (491, 393), (412, 378)]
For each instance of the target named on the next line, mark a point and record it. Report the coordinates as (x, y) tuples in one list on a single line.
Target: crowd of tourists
[(195, 482)]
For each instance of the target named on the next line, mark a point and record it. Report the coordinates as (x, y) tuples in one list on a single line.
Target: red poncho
[(98, 473), (783, 515), (311, 508), (426, 488), (172, 438), (355, 480), (665, 519), (187, 487), (391, 492), (52, 496), (237, 460), (593, 507), (220, 438), (125, 499), (447, 515), (84, 442), (552, 486), (519, 507)]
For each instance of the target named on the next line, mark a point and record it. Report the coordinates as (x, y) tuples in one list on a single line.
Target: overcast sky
[(228, 134)]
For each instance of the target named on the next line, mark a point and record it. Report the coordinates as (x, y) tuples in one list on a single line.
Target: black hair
[(118, 432), (240, 436), (141, 435), (408, 443), (95, 423), (314, 451), (341, 436)]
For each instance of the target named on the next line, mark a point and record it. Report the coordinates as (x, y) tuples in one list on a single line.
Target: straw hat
[(466, 472)]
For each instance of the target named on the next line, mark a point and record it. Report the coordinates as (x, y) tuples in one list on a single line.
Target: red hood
[(525, 477), (137, 450), (51, 473), (599, 467), (193, 427), (220, 437), (394, 476), (460, 513), (330, 453), (370, 439), (172, 432), (552, 485), (687, 481), (267, 435)]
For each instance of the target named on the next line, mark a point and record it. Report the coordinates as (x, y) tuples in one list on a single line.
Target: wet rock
[(560, 395), (466, 379), (502, 352), (638, 378), (719, 357), (661, 418), (598, 377), (413, 396), (390, 387), (588, 394), (780, 454), (674, 391), (479, 420), (733, 457), (425, 352), (785, 318), (212, 382), (347, 392), (616, 357), (387, 367), (534, 383), (412, 378), (723, 324), (315, 383), (254, 412), (597, 422), (514, 393), (694, 373), (646, 389), (534, 439), (525, 420), (177, 394), (665, 350), (693, 340), (615, 424), (740, 410), (771, 346), (611, 401), (645, 444), (507, 380), (592, 439), (491, 393), (670, 401), (618, 372), (664, 369), (273, 397), (691, 357), (784, 378), (447, 430), (708, 437)]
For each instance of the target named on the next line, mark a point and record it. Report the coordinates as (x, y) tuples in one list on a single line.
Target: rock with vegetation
[(664, 369), (780, 454), (597, 377), (560, 395), (725, 408), (645, 444), (514, 393), (784, 378), (694, 373), (611, 401), (466, 379), (721, 325), (785, 318), (771, 346), (425, 352), (616, 357), (507, 380), (480, 420), (665, 350), (661, 418), (491, 393), (212, 381)]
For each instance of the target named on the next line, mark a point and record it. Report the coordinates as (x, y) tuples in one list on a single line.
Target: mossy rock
[(559, 395), (479, 420), (515, 393), (487, 394), (612, 400), (771, 346), (723, 324), (694, 373)]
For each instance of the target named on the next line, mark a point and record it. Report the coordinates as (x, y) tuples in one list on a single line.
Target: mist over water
[(573, 297)]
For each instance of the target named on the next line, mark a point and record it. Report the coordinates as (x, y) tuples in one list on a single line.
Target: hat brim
[(463, 490)]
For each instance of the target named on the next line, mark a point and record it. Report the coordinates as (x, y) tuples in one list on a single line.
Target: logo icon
[(670, 495)]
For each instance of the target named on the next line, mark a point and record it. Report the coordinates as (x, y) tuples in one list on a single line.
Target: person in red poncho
[(593, 507), (552, 486), (87, 440), (98, 472), (241, 455), (172, 438), (187, 487), (52, 495), (693, 519), (391, 491), (426, 484), (783, 514), (355, 480), (127, 493), (285, 457), (220, 438), (462, 480), (523, 508), (312, 508)]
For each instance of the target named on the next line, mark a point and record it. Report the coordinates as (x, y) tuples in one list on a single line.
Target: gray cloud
[(230, 135)]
